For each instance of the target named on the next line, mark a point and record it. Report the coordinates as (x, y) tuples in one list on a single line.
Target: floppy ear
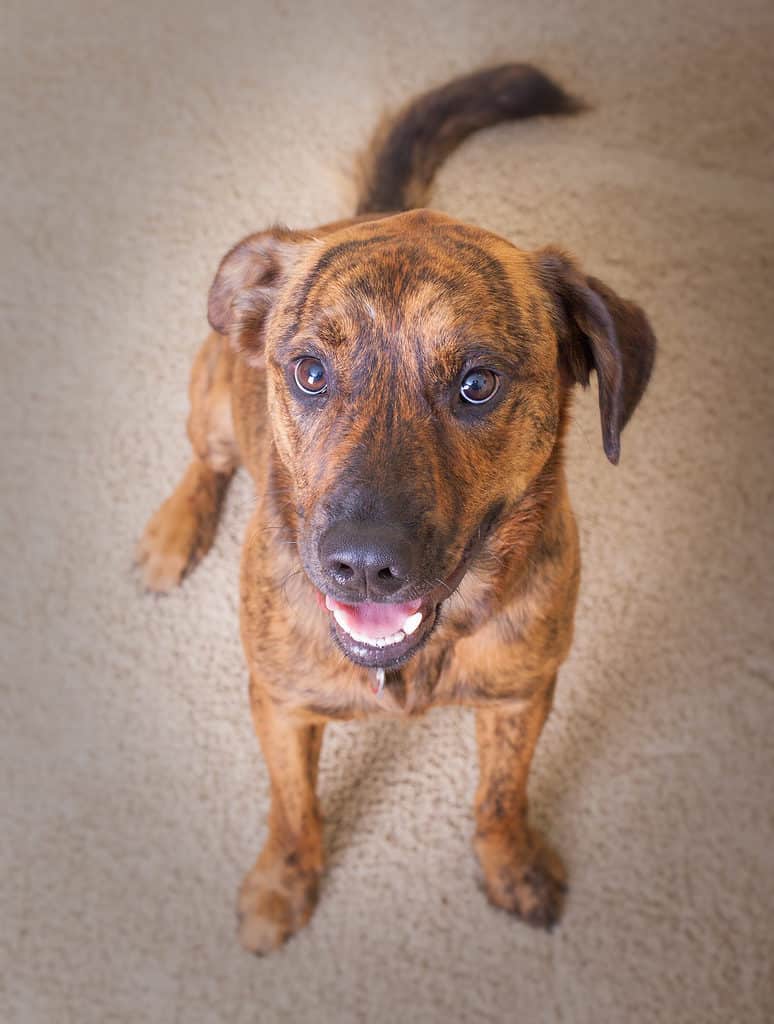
[(246, 285), (600, 331)]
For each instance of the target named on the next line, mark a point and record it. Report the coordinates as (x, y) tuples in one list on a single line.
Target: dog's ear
[(246, 285), (600, 331)]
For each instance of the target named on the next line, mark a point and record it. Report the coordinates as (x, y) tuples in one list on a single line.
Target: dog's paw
[(165, 548), (180, 532), (525, 878), (275, 901)]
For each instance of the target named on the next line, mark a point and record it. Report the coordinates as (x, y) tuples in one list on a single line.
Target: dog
[(398, 385)]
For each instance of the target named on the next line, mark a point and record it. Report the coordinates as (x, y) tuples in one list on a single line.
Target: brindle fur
[(396, 305)]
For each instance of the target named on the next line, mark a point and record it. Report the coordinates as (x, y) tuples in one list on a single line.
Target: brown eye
[(479, 385), (310, 377)]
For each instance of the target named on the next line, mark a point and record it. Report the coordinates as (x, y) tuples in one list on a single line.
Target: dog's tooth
[(379, 641), (411, 625), (339, 617)]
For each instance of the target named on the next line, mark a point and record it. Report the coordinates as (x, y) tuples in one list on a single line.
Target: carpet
[(139, 142)]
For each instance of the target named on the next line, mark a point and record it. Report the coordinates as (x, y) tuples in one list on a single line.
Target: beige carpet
[(139, 140)]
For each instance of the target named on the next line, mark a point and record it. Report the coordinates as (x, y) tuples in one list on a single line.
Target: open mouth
[(382, 635)]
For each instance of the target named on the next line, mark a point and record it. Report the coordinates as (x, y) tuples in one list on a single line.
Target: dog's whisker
[(281, 584)]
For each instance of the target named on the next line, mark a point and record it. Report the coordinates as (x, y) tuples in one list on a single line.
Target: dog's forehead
[(420, 273)]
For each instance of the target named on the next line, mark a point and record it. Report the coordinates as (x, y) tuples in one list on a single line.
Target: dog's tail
[(407, 149)]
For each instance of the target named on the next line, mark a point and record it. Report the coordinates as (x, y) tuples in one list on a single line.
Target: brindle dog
[(398, 385)]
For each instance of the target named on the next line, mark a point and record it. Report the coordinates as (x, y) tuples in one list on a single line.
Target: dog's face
[(417, 372)]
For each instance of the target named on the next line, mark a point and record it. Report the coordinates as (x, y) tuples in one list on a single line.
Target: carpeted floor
[(138, 142)]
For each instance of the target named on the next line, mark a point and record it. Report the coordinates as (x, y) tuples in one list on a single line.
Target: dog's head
[(418, 370)]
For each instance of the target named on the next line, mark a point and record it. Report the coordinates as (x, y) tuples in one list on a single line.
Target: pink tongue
[(374, 620)]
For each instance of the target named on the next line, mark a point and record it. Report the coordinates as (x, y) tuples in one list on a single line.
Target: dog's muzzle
[(380, 605), (370, 591)]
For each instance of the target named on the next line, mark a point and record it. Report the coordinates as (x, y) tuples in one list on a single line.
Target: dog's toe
[(264, 921), (541, 891), (162, 563)]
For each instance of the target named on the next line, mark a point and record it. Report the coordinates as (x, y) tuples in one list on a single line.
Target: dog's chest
[(411, 690)]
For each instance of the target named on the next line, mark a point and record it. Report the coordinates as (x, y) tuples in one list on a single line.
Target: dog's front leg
[(278, 896), (521, 874)]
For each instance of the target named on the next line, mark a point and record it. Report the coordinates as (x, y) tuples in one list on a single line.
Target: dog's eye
[(479, 385), (310, 377)]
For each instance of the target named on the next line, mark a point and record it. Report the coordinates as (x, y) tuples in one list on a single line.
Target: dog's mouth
[(382, 635)]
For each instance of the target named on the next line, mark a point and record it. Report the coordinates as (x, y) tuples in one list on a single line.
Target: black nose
[(367, 560)]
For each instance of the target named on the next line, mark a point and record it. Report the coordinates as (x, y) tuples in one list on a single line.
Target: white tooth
[(411, 625), (339, 617), (369, 641), (382, 641)]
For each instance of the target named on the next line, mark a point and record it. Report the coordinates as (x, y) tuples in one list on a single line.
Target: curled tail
[(407, 149)]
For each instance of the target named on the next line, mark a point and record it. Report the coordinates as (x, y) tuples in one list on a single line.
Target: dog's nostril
[(343, 571), (386, 574)]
